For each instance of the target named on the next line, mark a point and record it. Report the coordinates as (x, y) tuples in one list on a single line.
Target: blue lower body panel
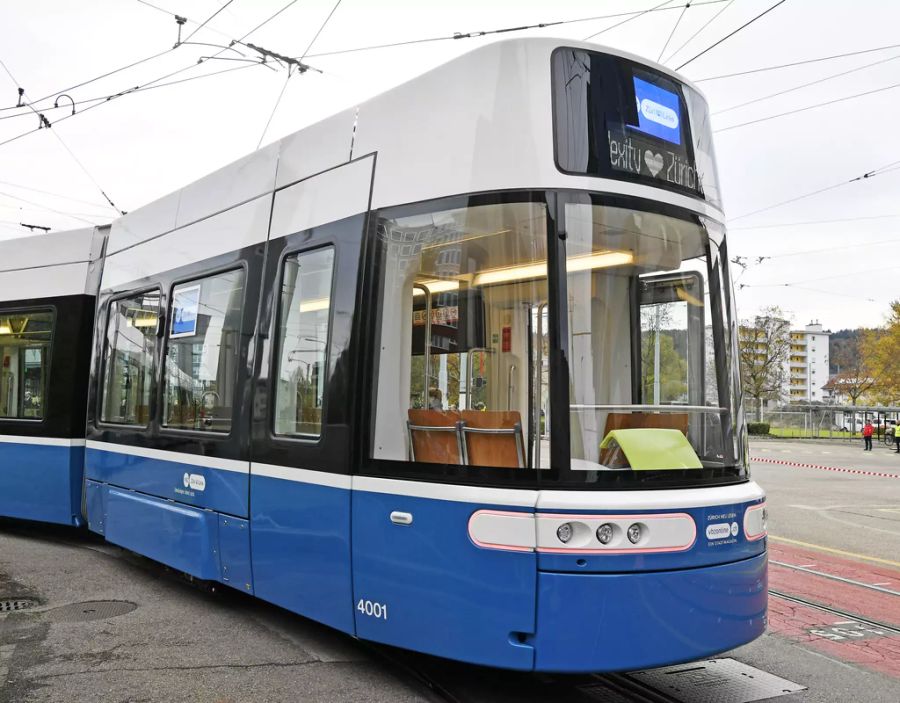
[(183, 537), (434, 589), (301, 549), (621, 622), (41, 482)]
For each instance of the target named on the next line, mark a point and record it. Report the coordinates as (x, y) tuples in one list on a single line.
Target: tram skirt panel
[(619, 622), (41, 482)]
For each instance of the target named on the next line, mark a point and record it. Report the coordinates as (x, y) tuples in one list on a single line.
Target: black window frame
[(164, 429), (30, 421), (455, 474), (154, 376), (276, 346)]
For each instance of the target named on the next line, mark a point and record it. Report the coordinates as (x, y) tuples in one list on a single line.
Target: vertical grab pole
[(427, 363)]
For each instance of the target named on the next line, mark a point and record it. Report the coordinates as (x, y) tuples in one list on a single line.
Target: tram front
[(569, 487)]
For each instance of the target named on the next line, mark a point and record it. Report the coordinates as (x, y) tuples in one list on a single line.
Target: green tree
[(881, 354)]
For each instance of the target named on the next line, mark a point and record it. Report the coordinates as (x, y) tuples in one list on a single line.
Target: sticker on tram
[(722, 529)]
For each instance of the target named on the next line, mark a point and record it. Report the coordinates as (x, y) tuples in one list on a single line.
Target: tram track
[(834, 577), (835, 611)]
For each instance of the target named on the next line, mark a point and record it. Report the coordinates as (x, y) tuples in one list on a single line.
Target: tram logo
[(194, 481), (720, 530), (653, 111)]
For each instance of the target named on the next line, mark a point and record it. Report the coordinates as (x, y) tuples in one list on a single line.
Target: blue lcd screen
[(659, 111)]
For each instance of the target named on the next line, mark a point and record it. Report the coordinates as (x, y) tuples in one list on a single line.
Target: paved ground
[(181, 643)]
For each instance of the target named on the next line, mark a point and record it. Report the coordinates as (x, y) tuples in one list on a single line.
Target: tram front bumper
[(628, 621)]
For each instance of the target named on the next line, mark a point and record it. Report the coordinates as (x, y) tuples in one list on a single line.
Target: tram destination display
[(615, 118)]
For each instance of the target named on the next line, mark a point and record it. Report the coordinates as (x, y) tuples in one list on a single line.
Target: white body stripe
[(650, 500), (286, 473), (208, 462), (41, 441), (445, 491)]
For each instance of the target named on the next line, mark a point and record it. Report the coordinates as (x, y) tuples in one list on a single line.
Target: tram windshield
[(466, 342), (651, 362)]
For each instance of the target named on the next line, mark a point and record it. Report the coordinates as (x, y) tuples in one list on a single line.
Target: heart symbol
[(654, 161)]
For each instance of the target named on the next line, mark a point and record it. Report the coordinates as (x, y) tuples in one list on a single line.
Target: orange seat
[(493, 438), (435, 436)]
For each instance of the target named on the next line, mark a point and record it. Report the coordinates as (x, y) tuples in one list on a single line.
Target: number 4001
[(374, 610)]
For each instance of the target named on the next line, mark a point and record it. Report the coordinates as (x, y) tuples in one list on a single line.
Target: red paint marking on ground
[(835, 565), (841, 469), (794, 621)]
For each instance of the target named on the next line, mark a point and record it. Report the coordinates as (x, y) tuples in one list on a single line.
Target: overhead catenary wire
[(730, 34), (151, 85), (50, 209), (630, 15), (62, 142), (817, 222), (697, 33), (795, 111), (48, 192), (274, 108), (792, 64), (672, 33), (868, 174), (806, 85), (327, 19), (89, 81), (634, 16), (206, 21)]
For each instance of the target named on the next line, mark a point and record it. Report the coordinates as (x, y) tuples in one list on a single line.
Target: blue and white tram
[(453, 371), (48, 288)]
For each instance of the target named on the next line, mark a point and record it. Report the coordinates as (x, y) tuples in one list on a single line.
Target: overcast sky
[(141, 146)]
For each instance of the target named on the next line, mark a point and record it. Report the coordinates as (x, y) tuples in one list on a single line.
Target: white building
[(807, 365)]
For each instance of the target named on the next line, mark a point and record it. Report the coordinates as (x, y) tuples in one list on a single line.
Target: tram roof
[(479, 122), (49, 265)]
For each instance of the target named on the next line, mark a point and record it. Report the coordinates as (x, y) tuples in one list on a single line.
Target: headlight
[(634, 533), (605, 533), (564, 532)]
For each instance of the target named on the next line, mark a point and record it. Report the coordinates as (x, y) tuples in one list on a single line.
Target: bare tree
[(765, 345)]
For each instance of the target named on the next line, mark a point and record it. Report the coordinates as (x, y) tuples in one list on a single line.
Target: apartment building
[(807, 364)]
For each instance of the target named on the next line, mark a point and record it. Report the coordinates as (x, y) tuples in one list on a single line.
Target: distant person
[(435, 399), (897, 436), (867, 433)]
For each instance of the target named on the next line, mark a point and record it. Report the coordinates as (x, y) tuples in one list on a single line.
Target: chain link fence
[(829, 421)]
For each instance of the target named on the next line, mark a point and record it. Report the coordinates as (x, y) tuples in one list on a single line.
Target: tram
[(48, 289), (453, 371)]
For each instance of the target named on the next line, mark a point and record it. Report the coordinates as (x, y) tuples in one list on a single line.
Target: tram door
[(459, 428)]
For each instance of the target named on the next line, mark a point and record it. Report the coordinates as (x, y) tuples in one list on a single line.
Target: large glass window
[(25, 355), (131, 335), (462, 370), (650, 384), (303, 342), (203, 353)]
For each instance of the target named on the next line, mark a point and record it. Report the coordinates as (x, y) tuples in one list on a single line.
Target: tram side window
[(25, 353), (304, 315), (131, 335), (462, 369), (202, 353)]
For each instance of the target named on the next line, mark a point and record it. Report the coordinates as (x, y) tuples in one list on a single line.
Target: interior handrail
[(655, 408)]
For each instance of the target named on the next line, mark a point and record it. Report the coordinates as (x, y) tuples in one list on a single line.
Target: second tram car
[(454, 371)]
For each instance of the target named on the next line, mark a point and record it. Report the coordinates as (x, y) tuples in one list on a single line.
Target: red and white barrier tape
[(859, 472)]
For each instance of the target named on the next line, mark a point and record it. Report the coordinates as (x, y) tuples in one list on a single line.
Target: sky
[(833, 257)]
